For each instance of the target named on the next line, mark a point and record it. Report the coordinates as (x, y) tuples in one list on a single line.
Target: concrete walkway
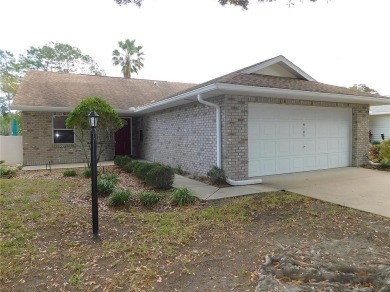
[(359, 188), (208, 192)]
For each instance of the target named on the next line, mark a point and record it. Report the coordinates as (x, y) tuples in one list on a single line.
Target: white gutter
[(218, 126)]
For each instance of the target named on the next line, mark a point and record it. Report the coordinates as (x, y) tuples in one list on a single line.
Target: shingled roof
[(241, 77), (50, 89)]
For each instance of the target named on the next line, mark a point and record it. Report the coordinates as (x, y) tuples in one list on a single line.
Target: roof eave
[(31, 108), (216, 89)]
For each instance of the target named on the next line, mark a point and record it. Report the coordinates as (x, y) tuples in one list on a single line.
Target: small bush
[(2, 161), (69, 172), (135, 165), (373, 153), (149, 199), (160, 176), (106, 183), (385, 164), (181, 197), (6, 171), (129, 167), (376, 142), (179, 170), (217, 175), (87, 172), (143, 169), (384, 152), (121, 160), (109, 176), (119, 198)]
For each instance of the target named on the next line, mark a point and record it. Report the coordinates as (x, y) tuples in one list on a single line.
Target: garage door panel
[(310, 146), (296, 147), (296, 129), (283, 165), (284, 129), (267, 149), (322, 161), (267, 130), (283, 148), (284, 138)]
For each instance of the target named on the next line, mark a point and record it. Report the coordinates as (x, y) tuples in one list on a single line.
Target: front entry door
[(123, 138)]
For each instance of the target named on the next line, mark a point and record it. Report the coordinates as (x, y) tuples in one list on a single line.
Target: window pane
[(63, 136), (59, 122)]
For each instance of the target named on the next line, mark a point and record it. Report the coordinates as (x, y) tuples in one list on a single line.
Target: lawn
[(46, 241)]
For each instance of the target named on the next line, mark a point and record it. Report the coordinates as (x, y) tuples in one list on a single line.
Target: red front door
[(123, 138)]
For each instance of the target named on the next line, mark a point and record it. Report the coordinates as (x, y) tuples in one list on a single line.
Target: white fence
[(11, 149)]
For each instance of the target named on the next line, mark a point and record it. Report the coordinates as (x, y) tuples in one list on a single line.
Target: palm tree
[(129, 58)]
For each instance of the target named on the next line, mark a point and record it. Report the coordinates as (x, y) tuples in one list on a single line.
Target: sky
[(339, 42)]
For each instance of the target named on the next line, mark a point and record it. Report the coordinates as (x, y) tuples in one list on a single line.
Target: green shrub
[(181, 197), (87, 172), (376, 142), (6, 171), (69, 172), (384, 152), (385, 164), (135, 165), (119, 198), (106, 183), (160, 176), (179, 170), (109, 176), (217, 175), (142, 169), (373, 153), (121, 160), (149, 199), (129, 167), (2, 161)]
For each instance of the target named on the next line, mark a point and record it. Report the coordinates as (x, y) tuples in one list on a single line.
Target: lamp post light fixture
[(93, 119)]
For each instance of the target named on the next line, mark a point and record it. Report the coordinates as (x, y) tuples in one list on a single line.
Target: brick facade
[(38, 146), (183, 136)]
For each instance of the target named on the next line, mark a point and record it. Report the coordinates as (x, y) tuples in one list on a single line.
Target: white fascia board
[(299, 94), (29, 108), (276, 60)]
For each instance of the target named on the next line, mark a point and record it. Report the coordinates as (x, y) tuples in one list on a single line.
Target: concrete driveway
[(359, 188)]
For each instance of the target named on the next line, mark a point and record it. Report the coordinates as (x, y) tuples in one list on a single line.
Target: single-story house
[(380, 122), (268, 118)]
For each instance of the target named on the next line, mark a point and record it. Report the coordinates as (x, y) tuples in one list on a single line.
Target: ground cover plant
[(223, 245)]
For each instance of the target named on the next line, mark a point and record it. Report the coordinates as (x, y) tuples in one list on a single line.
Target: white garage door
[(287, 138)]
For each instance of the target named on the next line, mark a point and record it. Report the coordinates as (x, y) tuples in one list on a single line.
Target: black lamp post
[(93, 119)]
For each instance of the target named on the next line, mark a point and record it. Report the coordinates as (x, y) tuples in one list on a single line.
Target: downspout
[(218, 125), (219, 148)]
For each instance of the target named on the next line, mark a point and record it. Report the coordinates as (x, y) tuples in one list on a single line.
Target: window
[(60, 133)]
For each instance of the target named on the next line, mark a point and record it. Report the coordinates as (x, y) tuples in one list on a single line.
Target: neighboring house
[(269, 118), (380, 122)]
